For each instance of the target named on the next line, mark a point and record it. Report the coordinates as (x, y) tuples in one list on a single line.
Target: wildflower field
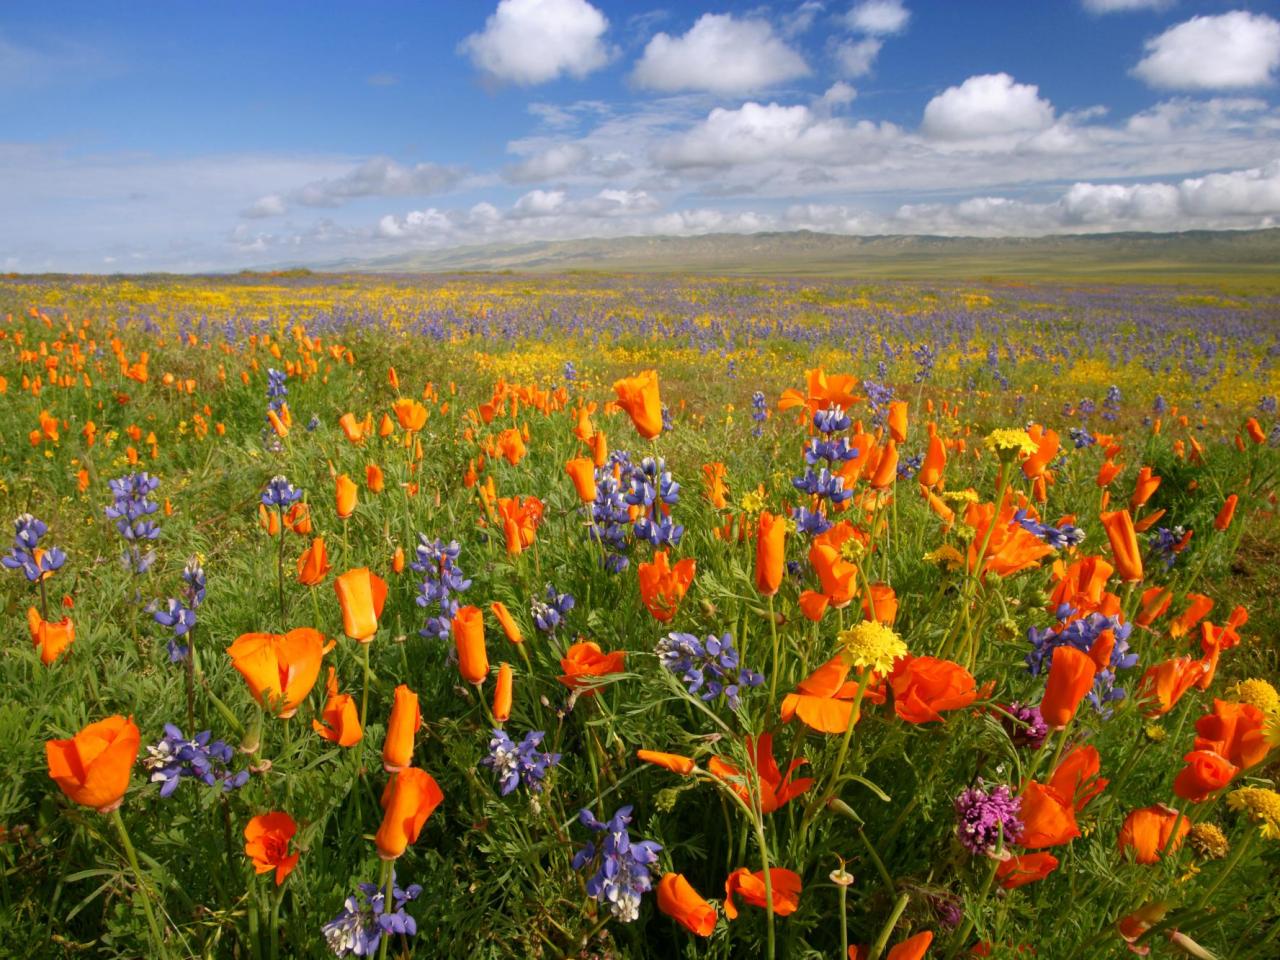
[(591, 616)]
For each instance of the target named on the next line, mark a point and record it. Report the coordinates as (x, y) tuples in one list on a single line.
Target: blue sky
[(191, 136)]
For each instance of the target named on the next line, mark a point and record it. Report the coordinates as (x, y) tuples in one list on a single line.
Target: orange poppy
[(886, 471), (348, 494), (313, 564), (1048, 818), (266, 843), (775, 788), (881, 605), (1025, 868), (410, 414), (352, 428), (503, 690), (923, 687), (1163, 685), (50, 637), (1155, 601), (1071, 674), (771, 553), (1228, 511), (374, 479), (1198, 608), (668, 761), (507, 622), (638, 397), (679, 901), (822, 390), (520, 518), (280, 669), (935, 461), (1010, 548), (585, 666), (713, 475), (824, 700), (410, 797), (298, 518), (1124, 544), (663, 586), (362, 594), (93, 767), (403, 725), (897, 421), (1237, 731), (1150, 830), (341, 719), (1205, 774), (468, 637), (1047, 443), (1146, 485), (1076, 777), (912, 948), (750, 887), (583, 474)]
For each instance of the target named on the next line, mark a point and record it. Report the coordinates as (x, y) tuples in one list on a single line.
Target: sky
[(140, 136)]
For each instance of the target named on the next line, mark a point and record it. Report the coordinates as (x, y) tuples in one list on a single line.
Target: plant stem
[(132, 854)]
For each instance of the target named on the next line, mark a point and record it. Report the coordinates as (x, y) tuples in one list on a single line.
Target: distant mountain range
[(1200, 253)]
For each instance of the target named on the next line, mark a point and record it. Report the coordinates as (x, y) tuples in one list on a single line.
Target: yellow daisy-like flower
[(1262, 806), (751, 502), (947, 557), (1258, 693), (1008, 442), (872, 646), (852, 550), (1208, 841), (960, 496), (1155, 733)]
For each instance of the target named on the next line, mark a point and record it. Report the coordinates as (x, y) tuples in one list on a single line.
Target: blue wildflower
[(621, 875), (519, 763), (710, 668)]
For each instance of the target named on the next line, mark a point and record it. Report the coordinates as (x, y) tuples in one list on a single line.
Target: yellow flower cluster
[(1262, 805), (1258, 693), (871, 645)]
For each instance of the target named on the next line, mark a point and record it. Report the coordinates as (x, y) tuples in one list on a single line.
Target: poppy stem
[(388, 883), (142, 883), (284, 624), (364, 697), (886, 931), (773, 633), (44, 599)]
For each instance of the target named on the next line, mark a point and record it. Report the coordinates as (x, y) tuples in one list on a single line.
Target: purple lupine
[(442, 580), (26, 555), (709, 668), (550, 613), (621, 875), (174, 757), (358, 929), (131, 510), (1082, 633), (519, 763)]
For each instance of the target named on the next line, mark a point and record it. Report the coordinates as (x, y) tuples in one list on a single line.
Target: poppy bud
[(508, 622), (679, 901), (361, 594), (1071, 674), (348, 494), (502, 693), (468, 635), (411, 796), (1223, 520), (405, 721), (1124, 544), (771, 539)]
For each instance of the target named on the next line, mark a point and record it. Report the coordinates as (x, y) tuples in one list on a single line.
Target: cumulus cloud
[(720, 54), (1124, 6), (855, 58), (376, 177), (992, 104), (1229, 51), (878, 18), (761, 133), (528, 42)]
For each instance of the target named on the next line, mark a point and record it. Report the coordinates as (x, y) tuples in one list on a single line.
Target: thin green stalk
[(886, 931), (156, 937)]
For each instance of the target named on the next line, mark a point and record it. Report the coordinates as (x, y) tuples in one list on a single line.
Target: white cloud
[(839, 94), (878, 18), (761, 133), (376, 177), (1228, 51), (992, 104), (272, 205), (533, 41), (1124, 6), (855, 58), (719, 54), (555, 161)]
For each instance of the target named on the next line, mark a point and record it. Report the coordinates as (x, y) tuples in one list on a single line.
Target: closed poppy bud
[(1155, 601), (93, 767), (599, 448), (268, 520), (1125, 551), (50, 637), (373, 478), (887, 469), (679, 901), (508, 622), (1149, 831), (361, 594), (898, 420), (935, 460), (347, 496), (411, 796), (313, 565), (468, 636), (397, 560), (1107, 472), (1223, 520), (298, 518), (638, 397), (1071, 674), (668, 761), (266, 843), (351, 427), (502, 694), (1205, 773), (405, 721), (771, 553), (583, 474), (341, 720), (280, 669), (386, 426), (1255, 431)]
